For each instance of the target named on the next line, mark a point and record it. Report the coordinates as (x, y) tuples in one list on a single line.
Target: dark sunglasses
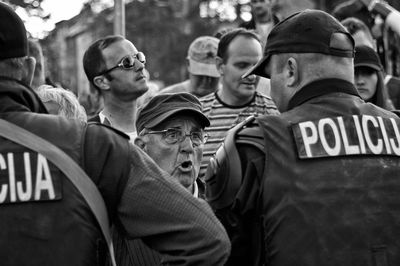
[(128, 62)]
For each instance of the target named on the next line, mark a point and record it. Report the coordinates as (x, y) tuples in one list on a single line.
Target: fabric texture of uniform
[(223, 117), (332, 210), (138, 196)]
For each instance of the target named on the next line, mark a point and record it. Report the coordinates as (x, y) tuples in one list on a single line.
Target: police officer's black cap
[(163, 106), (308, 31), (367, 57), (13, 38)]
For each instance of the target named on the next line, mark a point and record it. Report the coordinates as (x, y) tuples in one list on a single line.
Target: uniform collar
[(17, 96), (321, 87)]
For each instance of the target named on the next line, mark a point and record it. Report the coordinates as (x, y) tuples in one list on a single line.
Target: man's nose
[(187, 145), (138, 65)]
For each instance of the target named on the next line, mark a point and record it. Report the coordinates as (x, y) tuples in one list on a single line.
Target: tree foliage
[(32, 7)]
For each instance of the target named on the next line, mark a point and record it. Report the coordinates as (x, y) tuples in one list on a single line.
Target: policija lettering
[(349, 135), (22, 181)]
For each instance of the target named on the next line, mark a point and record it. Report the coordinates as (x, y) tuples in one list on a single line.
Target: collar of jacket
[(16, 96), (321, 87)]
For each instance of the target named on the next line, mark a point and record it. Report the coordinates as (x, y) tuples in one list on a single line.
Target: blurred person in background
[(203, 74), (369, 77), (35, 50), (362, 36), (60, 101), (263, 18)]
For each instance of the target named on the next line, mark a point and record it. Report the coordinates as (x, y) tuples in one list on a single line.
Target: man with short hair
[(171, 131), (45, 217), (317, 184), (115, 68), (238, 51), (203, 75)]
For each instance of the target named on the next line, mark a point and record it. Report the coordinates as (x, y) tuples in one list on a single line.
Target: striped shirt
[(223, 117)]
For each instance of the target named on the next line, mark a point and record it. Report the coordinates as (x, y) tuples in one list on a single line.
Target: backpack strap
[(70, 169), (224, 172)]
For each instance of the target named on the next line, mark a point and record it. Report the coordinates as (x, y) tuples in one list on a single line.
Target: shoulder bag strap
[(69, 167)]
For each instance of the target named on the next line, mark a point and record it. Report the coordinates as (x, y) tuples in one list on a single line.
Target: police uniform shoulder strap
[(69, 167)]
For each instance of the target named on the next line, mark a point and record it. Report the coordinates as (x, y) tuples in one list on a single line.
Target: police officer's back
[(45, 220), (322, 188)]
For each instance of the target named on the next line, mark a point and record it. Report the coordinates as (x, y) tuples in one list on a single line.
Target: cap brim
[(203, 69), (375, 67), (204, 122), (258, 69)]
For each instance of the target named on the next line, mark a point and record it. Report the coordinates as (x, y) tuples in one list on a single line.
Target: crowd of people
[(281, 148)]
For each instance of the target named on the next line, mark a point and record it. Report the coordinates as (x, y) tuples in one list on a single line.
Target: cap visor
[(375, 67), (204, 122), (258, 69), (203, 69)]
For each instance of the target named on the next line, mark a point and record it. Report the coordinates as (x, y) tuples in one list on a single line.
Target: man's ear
[(219, 63), (29, 66), (292, 72), (101, 82), (140, 143)]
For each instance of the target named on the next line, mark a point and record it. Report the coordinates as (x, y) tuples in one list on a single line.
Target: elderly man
[(115, 69), (316, 185), (203, 75), (171, 132), (45, 215)]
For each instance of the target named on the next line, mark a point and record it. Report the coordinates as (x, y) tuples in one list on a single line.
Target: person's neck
[(263, 19), (122, 115), (232, 100), (201, 90)]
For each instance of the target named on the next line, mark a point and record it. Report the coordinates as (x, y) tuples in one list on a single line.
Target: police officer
[(44, 219), (317, 185)]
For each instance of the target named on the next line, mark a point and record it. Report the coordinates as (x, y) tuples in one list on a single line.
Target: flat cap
[(163, 106)]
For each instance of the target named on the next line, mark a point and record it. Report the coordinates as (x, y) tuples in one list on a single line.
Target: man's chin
[(185, 179)]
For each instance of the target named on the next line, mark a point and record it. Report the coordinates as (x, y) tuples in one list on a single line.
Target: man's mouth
[(139, 78), (186, 166), (248, 83)]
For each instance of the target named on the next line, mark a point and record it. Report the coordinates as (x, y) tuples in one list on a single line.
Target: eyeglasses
[(128, 62), (172, 136)]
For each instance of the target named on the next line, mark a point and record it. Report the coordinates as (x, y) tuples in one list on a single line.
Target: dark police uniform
[(325, 190), (44, 220)]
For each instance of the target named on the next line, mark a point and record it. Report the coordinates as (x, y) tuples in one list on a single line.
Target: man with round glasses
[(115, 69)]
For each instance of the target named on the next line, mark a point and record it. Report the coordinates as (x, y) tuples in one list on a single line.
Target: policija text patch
[(347, 135), (28, 176)]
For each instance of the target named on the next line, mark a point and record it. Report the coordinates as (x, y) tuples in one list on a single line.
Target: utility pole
[(119, 17)]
